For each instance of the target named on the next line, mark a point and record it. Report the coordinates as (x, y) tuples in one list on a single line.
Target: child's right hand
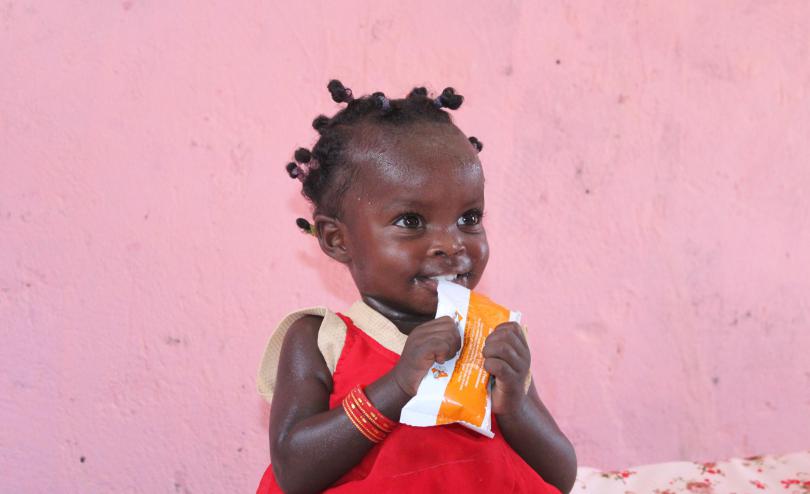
[(434, 341)]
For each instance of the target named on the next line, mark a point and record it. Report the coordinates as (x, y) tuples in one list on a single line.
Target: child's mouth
[(432, 282)]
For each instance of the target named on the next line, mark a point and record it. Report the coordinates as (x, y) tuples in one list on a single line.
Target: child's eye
[(470, 218), (409, 221)]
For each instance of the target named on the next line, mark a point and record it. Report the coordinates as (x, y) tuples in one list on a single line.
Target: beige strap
[(331, 336), (377, 326)]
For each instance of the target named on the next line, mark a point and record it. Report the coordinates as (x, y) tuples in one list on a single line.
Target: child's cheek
[(483, 255)]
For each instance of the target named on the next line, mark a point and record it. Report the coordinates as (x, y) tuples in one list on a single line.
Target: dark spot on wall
[(736, 320), (587, 191), (193, 143), (507, 71), (81, 459), (171, 340), (180, 482), (127, 5), (715, 380), (239, 449), (380, 28), (557, 61), (621, 99), (146, 216)]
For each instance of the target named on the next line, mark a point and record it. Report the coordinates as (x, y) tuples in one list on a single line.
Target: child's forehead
[(435, 186), (388, 176), (417, 154)]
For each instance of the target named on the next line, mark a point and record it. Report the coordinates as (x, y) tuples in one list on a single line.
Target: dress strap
[(331, 336)]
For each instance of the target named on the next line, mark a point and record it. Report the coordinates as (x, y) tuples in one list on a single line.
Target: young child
[(398, 196)]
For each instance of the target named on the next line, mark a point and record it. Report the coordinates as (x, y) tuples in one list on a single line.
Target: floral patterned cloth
[(787, 474)]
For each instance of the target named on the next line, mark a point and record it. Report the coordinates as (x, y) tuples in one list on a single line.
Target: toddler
[(398, 198)]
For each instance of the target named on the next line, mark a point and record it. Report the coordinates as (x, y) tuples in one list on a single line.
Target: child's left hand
[(507, 358)]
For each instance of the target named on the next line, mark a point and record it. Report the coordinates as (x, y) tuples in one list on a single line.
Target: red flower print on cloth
[(802, 485), (710, 468), (618, 474), (771, 474), (699, 487), (758, 484)]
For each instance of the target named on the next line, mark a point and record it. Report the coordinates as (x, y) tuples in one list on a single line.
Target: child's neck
[(404, 321)]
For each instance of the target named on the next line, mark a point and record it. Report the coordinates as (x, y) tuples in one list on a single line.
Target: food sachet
[(459, 390)]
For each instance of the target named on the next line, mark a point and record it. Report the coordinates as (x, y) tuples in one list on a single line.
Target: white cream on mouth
[(446, 277)]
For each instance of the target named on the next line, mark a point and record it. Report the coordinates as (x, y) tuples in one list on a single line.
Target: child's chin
[(428, 308), (424, 304)]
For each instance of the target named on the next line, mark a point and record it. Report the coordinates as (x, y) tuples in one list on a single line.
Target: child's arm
[(311, 446), (525, 422)]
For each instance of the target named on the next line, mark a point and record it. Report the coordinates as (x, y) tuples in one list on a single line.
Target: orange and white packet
[(459, 390)]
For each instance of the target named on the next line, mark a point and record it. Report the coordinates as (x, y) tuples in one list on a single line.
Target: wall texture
[(648, 174)]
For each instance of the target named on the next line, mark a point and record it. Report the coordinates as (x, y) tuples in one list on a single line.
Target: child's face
[(413, 212)]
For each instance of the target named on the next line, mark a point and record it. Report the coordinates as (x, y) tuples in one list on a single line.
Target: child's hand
[(507, 357), (435, 341)]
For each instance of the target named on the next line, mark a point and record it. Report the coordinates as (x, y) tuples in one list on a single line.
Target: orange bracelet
[(365, 417), (361, 423), (366, 427), (376, 417)]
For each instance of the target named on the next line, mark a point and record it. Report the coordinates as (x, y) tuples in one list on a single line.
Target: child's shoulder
[(318, 324)]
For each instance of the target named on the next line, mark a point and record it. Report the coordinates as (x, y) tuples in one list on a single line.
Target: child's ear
[(332, 237)]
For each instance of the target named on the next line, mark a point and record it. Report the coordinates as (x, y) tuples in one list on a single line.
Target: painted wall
[(648, 181)]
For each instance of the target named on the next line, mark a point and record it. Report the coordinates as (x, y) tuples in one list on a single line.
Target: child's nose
[(446, 245)]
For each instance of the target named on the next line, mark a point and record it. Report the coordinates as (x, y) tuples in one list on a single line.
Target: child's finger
[(501, 349), (513, 335), (443, 348), (508, 348), (500, 369), (519, 344)]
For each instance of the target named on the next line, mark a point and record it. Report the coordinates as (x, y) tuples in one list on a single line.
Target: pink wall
[(648, 181)]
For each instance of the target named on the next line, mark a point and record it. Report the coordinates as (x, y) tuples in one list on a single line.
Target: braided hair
[(326, 172)]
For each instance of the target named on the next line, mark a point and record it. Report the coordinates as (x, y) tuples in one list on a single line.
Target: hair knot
[(293, 170), (320, 123), (340, 93), (306, 226), (418, 91), (382, 102), (448, 99), (302, 155)]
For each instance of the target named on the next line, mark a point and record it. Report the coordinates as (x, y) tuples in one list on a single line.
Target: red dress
[(449, 458)]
